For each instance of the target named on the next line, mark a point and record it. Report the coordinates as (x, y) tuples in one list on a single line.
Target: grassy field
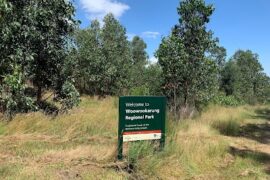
[(223, 143)]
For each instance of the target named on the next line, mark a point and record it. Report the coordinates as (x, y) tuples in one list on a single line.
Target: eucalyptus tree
[(34, 37), (90, 58), (139, 62), (171, 57), (117, 57), (53, 25), (230, 75), (138, 50), (243, 78), (190, 76), (105, 58)]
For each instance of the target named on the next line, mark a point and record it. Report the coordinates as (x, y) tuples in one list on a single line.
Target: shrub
[(13, 98), (226, 100), (69, 96), (139, 91)]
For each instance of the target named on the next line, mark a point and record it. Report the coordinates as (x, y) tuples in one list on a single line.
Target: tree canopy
[(243, 78), (34, 37), (44, 50), (190, 76)]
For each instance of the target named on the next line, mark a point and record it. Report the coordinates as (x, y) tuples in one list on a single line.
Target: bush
[(140, 91), (69, 96), (13, 98), (226, 100)]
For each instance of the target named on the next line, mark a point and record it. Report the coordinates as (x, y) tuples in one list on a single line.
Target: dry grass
[(82, 145)]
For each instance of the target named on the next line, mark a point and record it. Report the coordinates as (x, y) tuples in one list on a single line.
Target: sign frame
[(152, 131)]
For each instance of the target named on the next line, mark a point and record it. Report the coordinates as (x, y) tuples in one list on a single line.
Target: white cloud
[(150, 34), (153, 60), (97, 9)]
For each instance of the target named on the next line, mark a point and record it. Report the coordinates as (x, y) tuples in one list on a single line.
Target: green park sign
[(141, 118)]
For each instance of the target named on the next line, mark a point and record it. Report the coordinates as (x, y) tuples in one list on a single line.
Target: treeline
[(243, 78), (195, 71), (109, 64), (42, 50)]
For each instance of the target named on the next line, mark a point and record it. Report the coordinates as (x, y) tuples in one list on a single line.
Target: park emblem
[(141, 118)]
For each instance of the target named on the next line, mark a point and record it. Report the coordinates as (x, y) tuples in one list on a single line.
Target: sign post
[(141, 118)]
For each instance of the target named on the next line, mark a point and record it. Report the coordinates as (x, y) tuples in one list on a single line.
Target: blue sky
[(239, 24)]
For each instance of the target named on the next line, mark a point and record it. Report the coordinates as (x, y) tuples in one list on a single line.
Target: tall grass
[(230, 127), (2, 128), (82, 144)]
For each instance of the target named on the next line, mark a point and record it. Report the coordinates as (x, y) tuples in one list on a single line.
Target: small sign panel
[(141, 118), (141, 135)]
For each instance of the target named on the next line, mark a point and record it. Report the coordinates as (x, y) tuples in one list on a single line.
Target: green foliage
[(243, 78), (90, 59), (69, 95), (171, 59), (35, 36), (148, 81), (138, 67), (13, 99), (139, 91), (218, 54), (226, 100), (104, 58), (117, 57), (230, 78), (110, 65), (3, 8), (190, 78), (54, 27), (139, 55), (153, 79), (262, 88)]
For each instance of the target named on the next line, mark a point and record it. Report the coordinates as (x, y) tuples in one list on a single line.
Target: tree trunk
[(186, 95), (175, 105), (39, 94)]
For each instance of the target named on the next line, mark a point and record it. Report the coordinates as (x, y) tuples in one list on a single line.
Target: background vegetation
[(43, 49), (218, 120)]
